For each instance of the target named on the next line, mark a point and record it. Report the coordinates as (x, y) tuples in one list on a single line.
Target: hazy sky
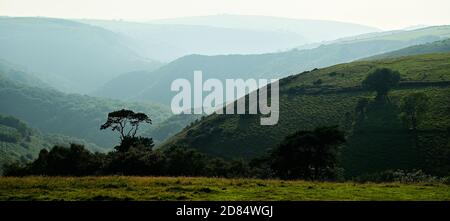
[(385, 14)]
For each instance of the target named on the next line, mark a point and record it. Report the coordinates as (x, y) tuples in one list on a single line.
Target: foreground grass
[(183, 188)]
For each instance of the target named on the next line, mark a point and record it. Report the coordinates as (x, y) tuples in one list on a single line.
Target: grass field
[(171, 188)]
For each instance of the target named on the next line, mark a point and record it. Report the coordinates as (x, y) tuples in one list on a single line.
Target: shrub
[(414, 176)]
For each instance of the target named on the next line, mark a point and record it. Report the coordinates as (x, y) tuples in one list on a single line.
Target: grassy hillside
[(433, 47), (183, 188), (306, 105), (73, 115), (170, 126), (155, 86), (70, 56)]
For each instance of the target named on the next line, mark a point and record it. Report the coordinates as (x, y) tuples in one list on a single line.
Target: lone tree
[(126, 122), (381, 81), (308, 154), (413, 108)]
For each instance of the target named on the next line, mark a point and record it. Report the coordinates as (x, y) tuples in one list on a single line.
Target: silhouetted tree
[(413, 107), (381, 81), (119, 121), (308, 154)]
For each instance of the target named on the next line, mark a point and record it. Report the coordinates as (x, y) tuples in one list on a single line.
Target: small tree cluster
[(308, 155), (381, 80)]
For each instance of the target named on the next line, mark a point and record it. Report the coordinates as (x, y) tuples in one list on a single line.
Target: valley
[(68, 87)]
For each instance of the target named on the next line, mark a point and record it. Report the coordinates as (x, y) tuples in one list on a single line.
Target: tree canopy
[(119, 121), (308, 154), (381, 80)]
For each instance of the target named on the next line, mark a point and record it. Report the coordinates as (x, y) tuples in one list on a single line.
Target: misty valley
[(181, 109)]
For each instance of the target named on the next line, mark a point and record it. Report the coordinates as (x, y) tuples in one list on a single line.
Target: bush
[(414, 176), (310, 155), (14, 169), (135, 161), (182, 161)]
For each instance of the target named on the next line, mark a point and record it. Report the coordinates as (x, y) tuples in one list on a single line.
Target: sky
[(384, 14)]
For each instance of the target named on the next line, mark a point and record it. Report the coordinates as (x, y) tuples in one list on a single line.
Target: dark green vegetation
[(155, 86), (18, 142), (317, 152), (382, 80), (166, 188), (413, 109), (310, 155), (378, 139), (133, 156), (68, 55)]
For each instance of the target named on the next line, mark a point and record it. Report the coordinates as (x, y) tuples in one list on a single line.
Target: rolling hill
[(68, 55), (378, 142), (311, 30), (433, 47), (18, 74), (54, 112), (167, 42), (155, 86)]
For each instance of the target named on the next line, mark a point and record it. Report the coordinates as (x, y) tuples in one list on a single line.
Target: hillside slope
[(73, 115), (312, 30), (166, 42), (68, 55), (18, 74), (155, 86), (19, 142), (306, 105), (433, 47)]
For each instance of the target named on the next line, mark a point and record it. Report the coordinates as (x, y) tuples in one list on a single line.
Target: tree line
[(136, 156)]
